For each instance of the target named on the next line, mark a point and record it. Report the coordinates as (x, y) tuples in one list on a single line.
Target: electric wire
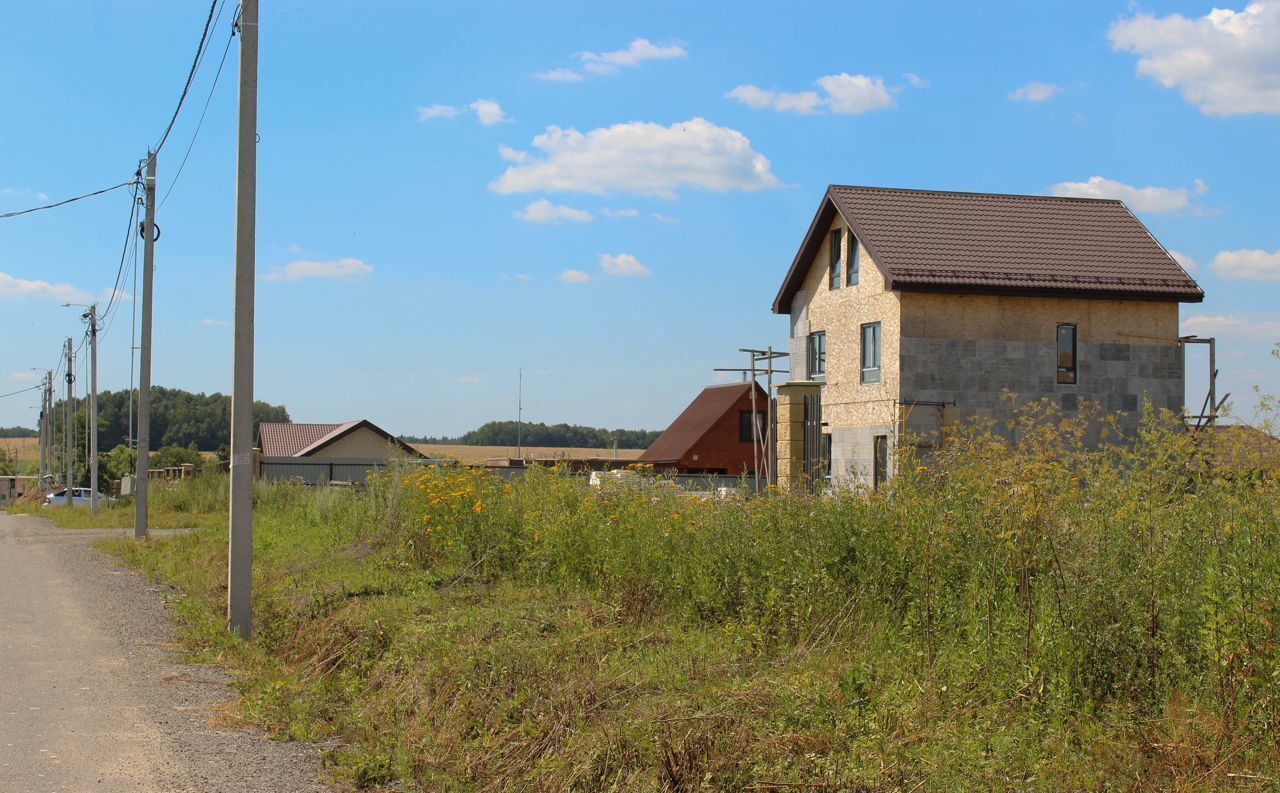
[(217, 75), (64, 202), (23, 391), (124, 252), (195, 64)]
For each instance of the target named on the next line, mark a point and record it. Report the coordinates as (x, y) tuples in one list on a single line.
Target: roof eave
[(1034, 291)]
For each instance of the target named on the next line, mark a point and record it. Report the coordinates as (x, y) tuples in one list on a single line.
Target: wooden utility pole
[(240, 528), (140, 476)]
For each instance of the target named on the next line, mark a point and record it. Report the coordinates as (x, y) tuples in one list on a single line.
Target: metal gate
[(814, 465)]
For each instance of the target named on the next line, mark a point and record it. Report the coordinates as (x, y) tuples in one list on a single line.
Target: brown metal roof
[(689, 427), (278, 439), (300, 440), (933, 240)]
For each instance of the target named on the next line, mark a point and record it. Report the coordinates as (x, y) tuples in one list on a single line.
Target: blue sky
[(606, 195)]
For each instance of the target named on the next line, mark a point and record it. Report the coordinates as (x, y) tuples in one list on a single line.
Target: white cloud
[(849, 94), (574, 277), (1225, 62), (1186, 261), (638, 157), (24, 377), (19, 288), (468, 379), (1034, 91), (620, 213), (428, 112), (623, 265), (523, 277), (1140, 199), (1254, 265), (915, 80), (336, 268), (22, 192), (543, 211), (804, 103), (1231, 325), (294, 249), (638, 51), (559, 75), (844, 94), (511, 155), (661, 218), (215, 323), (488, 112)]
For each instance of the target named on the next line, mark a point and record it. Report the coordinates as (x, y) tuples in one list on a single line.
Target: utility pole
[(144, 354), (520, 413), (70, 421), (240, 529), (92, 316), (44, 429)]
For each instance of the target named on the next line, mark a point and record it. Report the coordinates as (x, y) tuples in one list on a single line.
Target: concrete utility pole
[(44, 429), (70, 421), (144, 354), (92, 316), (240, 528)]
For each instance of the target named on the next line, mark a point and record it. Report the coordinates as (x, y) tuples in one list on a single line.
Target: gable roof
[(278, 439), (934, 240), (700, 416)]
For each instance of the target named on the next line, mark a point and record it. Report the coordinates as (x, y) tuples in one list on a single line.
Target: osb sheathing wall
[(846, 401), (977, 317)]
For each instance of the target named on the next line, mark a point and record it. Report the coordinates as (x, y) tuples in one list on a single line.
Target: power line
[(23, 391), (195, 64), (200, 123), (66, 201)]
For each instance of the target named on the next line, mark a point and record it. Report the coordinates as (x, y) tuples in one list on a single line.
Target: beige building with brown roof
[(914, 309)]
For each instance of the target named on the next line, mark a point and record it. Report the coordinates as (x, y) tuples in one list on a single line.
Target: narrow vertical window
[(852, 268), (826, 455), (817, 355), (834, 280), (871, 352), (746, 432), (880, 468), (1067, 354)]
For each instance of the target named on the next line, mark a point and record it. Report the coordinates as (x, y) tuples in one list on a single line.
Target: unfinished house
[(913, 309)]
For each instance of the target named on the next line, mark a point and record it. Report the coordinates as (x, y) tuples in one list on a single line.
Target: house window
[(826, 456), (853, 260), (834, 279), (880, 468), (871, 352), (744, 426), (1067, 354), (817, 355)]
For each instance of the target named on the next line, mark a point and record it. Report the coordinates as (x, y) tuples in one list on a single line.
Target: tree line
[(509, 433)]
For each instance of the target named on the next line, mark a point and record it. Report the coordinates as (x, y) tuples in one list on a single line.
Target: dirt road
[(91, 696)]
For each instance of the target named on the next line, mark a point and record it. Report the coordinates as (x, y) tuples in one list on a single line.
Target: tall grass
[(1027, 610)]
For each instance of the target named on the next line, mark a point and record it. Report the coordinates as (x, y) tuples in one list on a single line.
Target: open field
[(1030, 616), (22, 448), (476, 455)]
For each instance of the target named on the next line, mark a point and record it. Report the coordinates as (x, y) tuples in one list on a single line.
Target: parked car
[(80, 496)]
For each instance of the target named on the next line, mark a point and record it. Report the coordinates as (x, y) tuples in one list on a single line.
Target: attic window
[(833, 280), (853, 260)]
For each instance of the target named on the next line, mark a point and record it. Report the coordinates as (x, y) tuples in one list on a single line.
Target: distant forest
[(504, 433), (18, 432), (178, 418)]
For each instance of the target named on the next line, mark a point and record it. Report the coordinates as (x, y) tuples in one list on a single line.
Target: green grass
[(1030, 615)]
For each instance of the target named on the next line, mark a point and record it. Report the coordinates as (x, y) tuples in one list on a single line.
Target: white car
[(80, 496)]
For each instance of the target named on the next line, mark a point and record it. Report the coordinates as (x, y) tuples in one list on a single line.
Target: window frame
[(817, 338), (1071, 371), (869, 375), (744, 425), (851, 268), (834, 242), (879, 461)]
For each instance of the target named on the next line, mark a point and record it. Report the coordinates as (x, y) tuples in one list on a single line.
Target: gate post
[(793, 473)]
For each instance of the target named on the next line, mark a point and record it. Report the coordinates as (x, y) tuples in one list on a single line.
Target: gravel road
[(92, 697)]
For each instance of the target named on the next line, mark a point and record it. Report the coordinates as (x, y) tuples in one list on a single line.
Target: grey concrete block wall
[(975, 375), (853, 453)]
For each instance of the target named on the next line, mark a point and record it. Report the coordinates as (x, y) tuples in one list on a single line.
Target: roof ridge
[(974, 193)]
